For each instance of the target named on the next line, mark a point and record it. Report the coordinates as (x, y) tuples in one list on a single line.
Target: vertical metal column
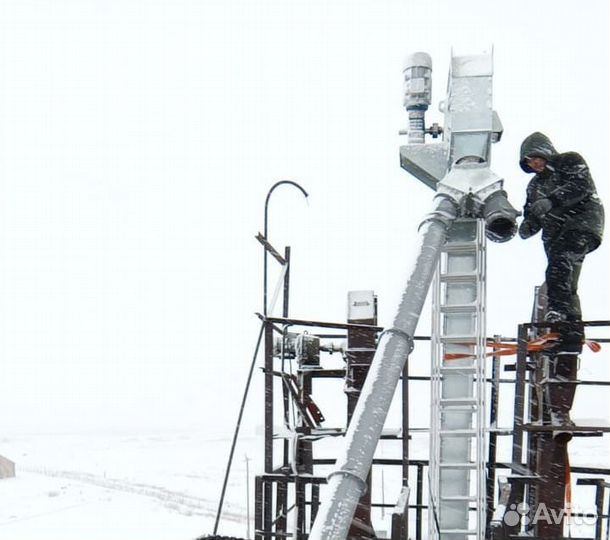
[(519, 404), (282, 487), (258, 507), (493, 436), (457, 438), (303, 448), (315, 503), (268, 410), (405, 430), (361, 309), (419, 501)]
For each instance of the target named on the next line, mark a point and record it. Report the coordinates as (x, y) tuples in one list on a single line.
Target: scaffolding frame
[(275, 487), (282, 491)]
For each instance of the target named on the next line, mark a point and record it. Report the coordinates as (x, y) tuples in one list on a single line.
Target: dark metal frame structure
[(284, 491), (529, 482), (272, 488)]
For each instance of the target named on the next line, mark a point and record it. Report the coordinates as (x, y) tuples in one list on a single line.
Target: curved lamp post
[(266, 229), (255, 355)]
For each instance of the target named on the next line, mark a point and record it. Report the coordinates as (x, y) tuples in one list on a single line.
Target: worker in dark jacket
[(562, 203)]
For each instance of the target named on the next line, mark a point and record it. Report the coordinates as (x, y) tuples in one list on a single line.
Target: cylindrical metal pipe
[(347, 483), (500, 217)]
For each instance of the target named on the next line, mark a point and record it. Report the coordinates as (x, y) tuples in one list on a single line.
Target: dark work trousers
[(565, 256)]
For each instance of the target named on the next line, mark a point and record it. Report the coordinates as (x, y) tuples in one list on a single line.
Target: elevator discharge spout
[(458, 170)]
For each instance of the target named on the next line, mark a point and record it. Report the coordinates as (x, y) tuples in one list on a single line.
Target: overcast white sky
[(137, 143)]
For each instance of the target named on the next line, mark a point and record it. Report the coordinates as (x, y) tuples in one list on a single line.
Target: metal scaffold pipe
[(347, 483)]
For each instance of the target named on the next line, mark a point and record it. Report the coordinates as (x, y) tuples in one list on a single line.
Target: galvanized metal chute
[(458, 170)]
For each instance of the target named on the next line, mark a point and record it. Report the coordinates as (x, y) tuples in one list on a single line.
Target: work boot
[(571, 338), (554, 316)]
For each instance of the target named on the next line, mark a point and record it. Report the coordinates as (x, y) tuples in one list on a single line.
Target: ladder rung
[(462, 277), (456, 465), (469, 340), (459, 408), (459, 308), (459, 401), (469, 498), (462, 369), (460, 247), (458, 432)]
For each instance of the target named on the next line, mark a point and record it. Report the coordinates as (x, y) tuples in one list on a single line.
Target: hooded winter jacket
[(567, 183)]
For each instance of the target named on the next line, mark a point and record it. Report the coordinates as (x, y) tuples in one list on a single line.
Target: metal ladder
[(457, 434)]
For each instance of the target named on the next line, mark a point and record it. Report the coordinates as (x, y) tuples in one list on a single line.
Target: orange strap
[(593, 345), (506, 349)]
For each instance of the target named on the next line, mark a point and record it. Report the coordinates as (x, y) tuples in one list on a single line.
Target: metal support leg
[(493, 437), (258, 508), (419, 502), (315, 502), (281, 506), (519, 407)]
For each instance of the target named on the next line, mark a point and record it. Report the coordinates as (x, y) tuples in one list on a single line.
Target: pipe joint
[(444, 213), (350, 474), (401, 333)]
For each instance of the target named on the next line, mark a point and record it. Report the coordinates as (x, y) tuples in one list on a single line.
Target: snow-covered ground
[(161, 485), (121, 486)]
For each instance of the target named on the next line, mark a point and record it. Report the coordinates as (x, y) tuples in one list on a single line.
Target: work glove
[(540, 208), (527, 229)]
